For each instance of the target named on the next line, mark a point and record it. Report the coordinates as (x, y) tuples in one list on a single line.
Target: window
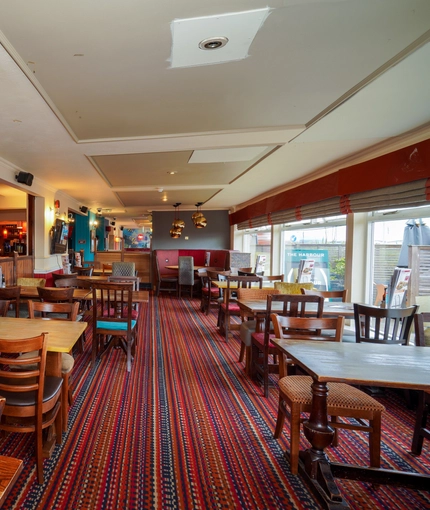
[(390, 236), (322, 240), (257, 242)]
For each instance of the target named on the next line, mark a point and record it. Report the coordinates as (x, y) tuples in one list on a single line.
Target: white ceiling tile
[(226, 155)]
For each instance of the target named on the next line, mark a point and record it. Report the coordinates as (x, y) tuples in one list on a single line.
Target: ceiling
[(114, 104)]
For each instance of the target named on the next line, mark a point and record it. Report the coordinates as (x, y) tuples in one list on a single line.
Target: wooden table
[(177, 267), (393, 366), (138, 296), (93, 278), (62, 336), (31, 293), (222, 285), (258, 307), (10, 469), (100, 272)]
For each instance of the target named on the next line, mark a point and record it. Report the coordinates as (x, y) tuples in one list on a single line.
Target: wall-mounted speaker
[(83, 209), (24, 178)]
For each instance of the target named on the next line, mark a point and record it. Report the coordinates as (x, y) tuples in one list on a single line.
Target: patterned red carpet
[(187, 429)]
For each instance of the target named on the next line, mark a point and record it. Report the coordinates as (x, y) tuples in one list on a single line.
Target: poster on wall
[(320, 275), (135, 238)]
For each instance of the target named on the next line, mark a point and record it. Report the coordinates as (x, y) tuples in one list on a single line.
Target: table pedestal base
[(317, 474)]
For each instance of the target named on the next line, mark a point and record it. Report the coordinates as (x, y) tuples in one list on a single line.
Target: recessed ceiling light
[(213, 43), (172, 173)]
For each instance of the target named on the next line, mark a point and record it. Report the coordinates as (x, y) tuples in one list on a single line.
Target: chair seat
[(259, 338), (28, 398), (214, 292), (67, 361), (298, 389), (118, 326), (232, 308)]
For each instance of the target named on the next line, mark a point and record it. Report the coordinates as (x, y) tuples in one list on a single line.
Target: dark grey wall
[(216, 235)]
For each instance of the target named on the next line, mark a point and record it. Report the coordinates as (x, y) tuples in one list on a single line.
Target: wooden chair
[(275, 278), (83, 271), (12, 294), (56, 294), (135, 280), (67, 282), (165, 282), (383, 325), (106, 269), (338, 295), (419, 320), (229, 306), (63, 294), (39, 406), (4, 307), (59, 276), (124, 269), (344, 400), (334, 295), (62, 311), (209, 292), (249, 324), (294, 305), (421, 430), (112, 319), (381, 289)]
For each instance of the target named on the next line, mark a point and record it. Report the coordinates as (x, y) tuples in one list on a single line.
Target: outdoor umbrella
[(416, 233)]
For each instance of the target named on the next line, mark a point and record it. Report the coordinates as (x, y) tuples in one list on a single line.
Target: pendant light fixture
[(177, 224), (198, 219)]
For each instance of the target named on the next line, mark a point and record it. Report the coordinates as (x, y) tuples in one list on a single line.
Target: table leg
[(314, 464)]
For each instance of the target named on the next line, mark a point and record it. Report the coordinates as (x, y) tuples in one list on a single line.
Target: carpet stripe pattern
[(187, 429)]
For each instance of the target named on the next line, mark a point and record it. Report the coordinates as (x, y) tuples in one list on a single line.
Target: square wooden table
[(392, 366), (62, 336), (31, 293), (259, 307)]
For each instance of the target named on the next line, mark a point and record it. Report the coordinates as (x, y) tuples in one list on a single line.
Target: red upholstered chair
[(165, 282), (210, 293)]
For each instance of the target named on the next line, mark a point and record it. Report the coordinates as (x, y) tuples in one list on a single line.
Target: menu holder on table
[(306, 267), (259, 264), (398, 287)]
